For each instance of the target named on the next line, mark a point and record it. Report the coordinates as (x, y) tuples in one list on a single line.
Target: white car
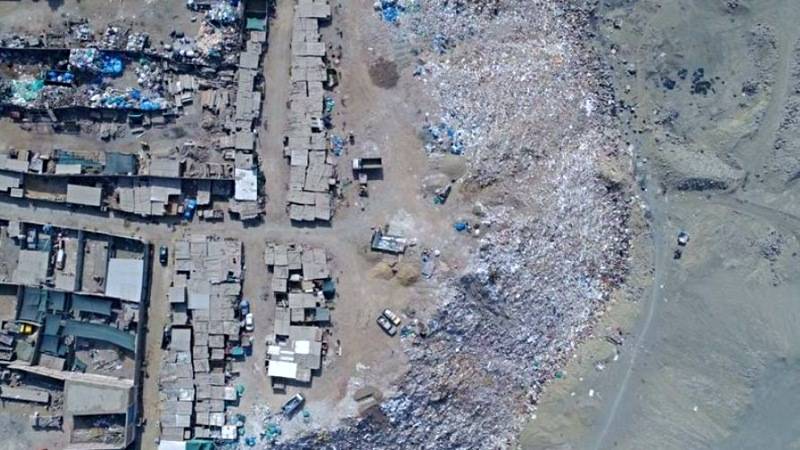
[(248, 322), (392, 317)]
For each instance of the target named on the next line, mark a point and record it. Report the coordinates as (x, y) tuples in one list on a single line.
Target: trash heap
[(127, 99), (94, 61), (217, 42), (25, 91), (58, 89), (222, 13), (391, 10), (527, 101)]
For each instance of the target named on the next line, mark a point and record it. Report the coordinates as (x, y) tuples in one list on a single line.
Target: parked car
[(290, 407), (386, 325), (166, 337), (248, 322), (163, 255), (394, 318), (244, 308)]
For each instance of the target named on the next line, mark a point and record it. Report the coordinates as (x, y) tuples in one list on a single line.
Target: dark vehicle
[(166, 337), (290, 407), (386, 325), (163, 255)]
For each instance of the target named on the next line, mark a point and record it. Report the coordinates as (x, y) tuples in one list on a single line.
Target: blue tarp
[(389, 11), (111, 65)]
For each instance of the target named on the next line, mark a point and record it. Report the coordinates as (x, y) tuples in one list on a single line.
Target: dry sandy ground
[(712, 360)]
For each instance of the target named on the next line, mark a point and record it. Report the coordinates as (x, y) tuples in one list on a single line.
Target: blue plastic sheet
[(338, 145), (390, 11), (147, 105), (111, 65), (56, 76)]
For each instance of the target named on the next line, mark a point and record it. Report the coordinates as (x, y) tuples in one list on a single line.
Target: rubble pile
[(525, 102)]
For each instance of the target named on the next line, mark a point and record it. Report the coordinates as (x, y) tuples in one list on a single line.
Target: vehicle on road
[(163, 255), (386, 325), (244, 308), (249, 325)]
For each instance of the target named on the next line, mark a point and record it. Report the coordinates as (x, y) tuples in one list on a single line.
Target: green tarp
[(94, 305), (197, 444), (256, 24), (100, 332)]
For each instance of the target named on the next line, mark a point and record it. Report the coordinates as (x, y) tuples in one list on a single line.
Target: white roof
[(245, 187), (302, 347), (68, 169), (124, 280), (229, 432), (172, 445), (84, 195), (9, 180), (282, 369)]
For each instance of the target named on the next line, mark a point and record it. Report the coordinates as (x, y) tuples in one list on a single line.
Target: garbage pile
[(81, 31), (223, 13), (34, 93), (94, 61), (391, 10), (526, 101), (127, 99), (214, 43), (115, 38), (149, 75), (137, 42), (25, 91)]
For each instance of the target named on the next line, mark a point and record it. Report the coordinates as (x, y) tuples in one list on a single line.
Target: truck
[(360, 164)]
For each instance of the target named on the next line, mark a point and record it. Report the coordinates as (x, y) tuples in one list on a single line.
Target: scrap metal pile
[(527, 105)]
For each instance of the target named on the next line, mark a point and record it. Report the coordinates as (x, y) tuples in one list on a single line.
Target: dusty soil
[(710, 362)]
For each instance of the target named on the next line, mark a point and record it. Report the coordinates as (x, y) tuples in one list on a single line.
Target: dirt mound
[(383, 73), (382, 271), (407, 274)]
